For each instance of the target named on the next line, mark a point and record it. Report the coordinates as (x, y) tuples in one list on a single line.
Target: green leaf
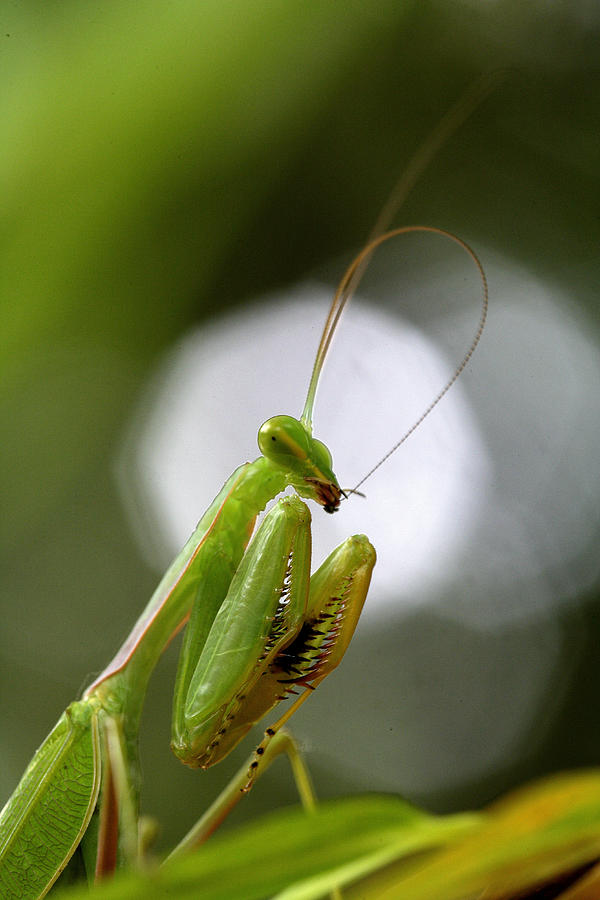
[(532, 836), (294, 855)]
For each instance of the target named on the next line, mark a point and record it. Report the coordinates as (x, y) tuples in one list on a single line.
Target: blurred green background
[(164, 161)]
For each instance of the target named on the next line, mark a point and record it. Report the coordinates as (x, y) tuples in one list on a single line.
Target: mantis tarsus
[(259, 629)]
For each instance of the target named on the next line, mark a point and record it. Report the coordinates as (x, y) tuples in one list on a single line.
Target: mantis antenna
[(476, 337), (450, 123)]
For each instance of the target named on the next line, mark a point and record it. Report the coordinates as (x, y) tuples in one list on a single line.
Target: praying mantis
[(259, 628)]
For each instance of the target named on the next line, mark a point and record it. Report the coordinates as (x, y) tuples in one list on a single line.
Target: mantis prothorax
[(259, 629)]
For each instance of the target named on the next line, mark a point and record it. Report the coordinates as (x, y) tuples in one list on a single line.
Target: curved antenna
[(451, 122), (476, 337)]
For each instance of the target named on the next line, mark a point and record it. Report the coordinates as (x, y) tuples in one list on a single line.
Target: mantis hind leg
[(114, 841), (282, 743)]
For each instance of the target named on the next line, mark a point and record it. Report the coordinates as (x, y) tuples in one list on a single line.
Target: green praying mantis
[(259, 628)]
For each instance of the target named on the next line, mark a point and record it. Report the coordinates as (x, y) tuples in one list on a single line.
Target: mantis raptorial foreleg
[(289, 637)]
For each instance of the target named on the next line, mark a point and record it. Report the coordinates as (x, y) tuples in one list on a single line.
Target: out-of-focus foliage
[(535, 836), (163, 161)]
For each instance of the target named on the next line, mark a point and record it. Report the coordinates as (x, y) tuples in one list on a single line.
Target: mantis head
[(288, 443)]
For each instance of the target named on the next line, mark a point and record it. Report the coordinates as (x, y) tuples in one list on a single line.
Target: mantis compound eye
[(321, 454), (284, 440)]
